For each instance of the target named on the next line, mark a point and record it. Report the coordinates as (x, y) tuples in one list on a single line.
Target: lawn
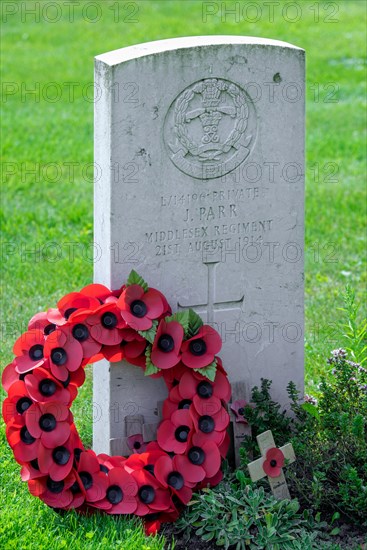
[(47, 211)]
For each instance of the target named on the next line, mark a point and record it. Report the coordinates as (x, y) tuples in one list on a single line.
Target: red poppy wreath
[(134, 323)]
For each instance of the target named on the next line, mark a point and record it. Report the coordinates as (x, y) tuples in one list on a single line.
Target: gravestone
[(199, 187)]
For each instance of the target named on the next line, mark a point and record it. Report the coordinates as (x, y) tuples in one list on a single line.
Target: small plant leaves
[(209, 372), (150, 334), (311, 409), (135, 279), (195, 322), (150, 368)]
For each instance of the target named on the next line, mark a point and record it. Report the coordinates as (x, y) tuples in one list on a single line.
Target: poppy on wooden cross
[(271, 463)]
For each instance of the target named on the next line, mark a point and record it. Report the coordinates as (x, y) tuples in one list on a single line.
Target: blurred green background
[(47, 189)]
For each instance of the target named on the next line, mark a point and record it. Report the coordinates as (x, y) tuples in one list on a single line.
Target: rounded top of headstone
[(116, 57)]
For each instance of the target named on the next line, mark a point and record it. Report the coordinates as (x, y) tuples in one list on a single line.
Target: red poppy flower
[(152, 527), (179, 475), (64, 353), (24, 445), (107, 462), (273, 462), (200, 350), (75, 378), (224, 446), (173, 376), (57, 494), (132, 346), (210, 427), (167, 344), (121, 493), (49, 422), (238, 407), (40, 322), (17, 402), (29, 351), (151, 497), (68, 305), (173, 435), (193, 383), (57, 462), (136, 443), (104, 323), (9, 376), (139, 308), (145, 460), (43, 387), (101, 292), (93, 478), (81, 333), (200, 462), (31, 470), (211, 481), (193, 388)]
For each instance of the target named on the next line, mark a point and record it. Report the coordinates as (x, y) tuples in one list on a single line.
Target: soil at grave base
[(349, 538), (182, 543)]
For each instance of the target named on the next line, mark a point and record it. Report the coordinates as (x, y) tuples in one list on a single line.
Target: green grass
[(37, 211)]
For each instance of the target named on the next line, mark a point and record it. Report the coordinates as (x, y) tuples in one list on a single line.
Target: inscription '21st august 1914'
[(208, 228)]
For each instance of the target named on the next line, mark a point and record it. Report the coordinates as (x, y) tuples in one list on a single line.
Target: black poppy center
[(205, 390), (54, 486), (67, 381), (77, 453), (109, 320), (149, 468), (75, 489), (34, 464), (146, 494), (137, 445), (206, 424), (184, 404), (166, 343), (87, 480), (182, 433), (36, 352), (114, 494), (47, 422), (138, 308), (49, 328), (61, 455), (80, 332), (26, 437), (23, 404), (273, 463), (103, 468), (196, 456), (69, 311), (198, 347), (47, 387), (59, 356), (241, 411), (152, 517), (175, 480)]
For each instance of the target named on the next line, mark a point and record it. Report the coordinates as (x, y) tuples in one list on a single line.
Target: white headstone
[(199, 152)]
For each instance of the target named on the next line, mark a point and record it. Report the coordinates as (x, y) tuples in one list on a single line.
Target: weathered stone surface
[(199, 151)]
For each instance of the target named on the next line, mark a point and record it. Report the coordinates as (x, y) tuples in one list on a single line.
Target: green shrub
[(329, 437), (239, 515)]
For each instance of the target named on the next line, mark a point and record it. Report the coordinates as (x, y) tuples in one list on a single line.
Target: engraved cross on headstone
[(212, 305)]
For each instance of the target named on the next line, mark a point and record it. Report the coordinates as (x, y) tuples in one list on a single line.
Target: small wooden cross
[(271, 463)]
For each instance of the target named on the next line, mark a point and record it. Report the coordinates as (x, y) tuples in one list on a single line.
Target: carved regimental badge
[(210, 128)]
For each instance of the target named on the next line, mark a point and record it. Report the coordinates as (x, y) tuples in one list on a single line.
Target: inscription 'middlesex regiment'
[(210, 128)]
